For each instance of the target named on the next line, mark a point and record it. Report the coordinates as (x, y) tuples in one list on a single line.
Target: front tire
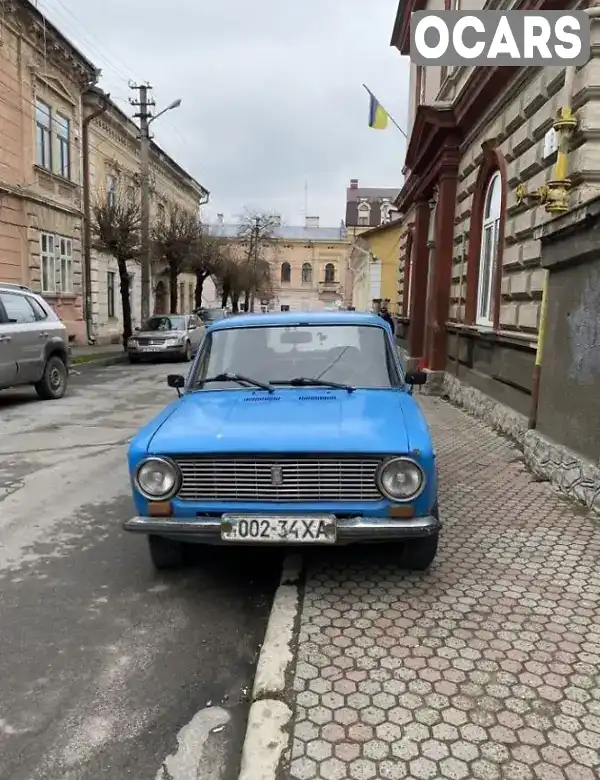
[(166, 553), (419, 554), (187, 355), (53, 384)]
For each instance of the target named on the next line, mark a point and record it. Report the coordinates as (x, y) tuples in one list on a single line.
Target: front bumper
[(349, 530), (152, 351)]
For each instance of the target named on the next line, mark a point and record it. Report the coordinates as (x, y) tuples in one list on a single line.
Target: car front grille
[(247, 478), (144, 342)]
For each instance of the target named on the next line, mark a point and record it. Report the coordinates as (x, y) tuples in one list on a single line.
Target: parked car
[(208, 316), (289, 429), (166, 336), (34, 343)]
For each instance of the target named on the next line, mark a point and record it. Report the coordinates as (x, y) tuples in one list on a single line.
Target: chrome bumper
[(354, 529)]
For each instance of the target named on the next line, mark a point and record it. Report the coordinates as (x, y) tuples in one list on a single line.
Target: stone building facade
[(309, 265), (114, 167), (480, 203), (42, 78)]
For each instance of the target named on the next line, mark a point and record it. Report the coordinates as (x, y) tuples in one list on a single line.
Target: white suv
[(34, 344)]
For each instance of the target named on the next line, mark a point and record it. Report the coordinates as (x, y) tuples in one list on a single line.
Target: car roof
[(274, 319)]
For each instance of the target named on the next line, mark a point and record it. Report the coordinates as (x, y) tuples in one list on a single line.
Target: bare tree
[(116, 231), (206, 258), (257, 231), (175, 240)]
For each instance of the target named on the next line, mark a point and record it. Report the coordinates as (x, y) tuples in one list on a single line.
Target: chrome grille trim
[(248, 478)]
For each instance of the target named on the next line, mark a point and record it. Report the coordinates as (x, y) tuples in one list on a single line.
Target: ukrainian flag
[(378, 116)]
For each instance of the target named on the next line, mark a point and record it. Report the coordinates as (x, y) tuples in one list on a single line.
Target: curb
[(110, 360), (271, 710)]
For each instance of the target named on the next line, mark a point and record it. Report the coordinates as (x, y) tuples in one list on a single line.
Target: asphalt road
[(107, 669)]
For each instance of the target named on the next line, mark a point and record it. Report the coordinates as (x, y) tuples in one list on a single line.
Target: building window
[(307, 273), (63, 145), (286, 273), (489, 250), (131, 195), (385, 213), (56, 254), (111, 283), (161, 212), (111, 190), (43, 145), (364, 215), (181, 298), (329, 273), (285, 307)]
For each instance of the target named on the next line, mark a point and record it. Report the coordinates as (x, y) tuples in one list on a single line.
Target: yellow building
[(374, 259)]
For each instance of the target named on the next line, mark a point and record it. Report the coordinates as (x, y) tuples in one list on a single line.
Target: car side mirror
[(415, 378), (177, 381)]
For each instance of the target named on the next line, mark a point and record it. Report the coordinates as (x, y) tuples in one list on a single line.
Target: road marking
[(198, 757)]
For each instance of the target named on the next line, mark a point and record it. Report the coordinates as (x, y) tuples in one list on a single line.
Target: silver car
[(34, 343), (166, 336)]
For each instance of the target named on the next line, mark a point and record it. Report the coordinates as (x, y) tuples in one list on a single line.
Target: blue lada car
[(290, 429)]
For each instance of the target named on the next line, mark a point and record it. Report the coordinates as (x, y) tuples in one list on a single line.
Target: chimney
[(220, 219), (353, 184), (311, 222)]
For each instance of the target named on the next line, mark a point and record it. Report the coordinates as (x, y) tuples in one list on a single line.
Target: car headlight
[(401, 479), (174, 342), (132, 342), (157, 478)]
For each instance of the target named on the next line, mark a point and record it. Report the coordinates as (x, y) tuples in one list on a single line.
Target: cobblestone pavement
[(486, 667)]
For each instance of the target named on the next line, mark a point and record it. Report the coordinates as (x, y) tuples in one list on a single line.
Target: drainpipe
[(87, 226), (555, 196)]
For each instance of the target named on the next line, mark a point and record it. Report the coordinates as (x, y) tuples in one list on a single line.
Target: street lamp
[(146, 259)]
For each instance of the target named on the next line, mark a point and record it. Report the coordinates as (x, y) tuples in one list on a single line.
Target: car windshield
[(165, 323), (212, 315), (355, 355)]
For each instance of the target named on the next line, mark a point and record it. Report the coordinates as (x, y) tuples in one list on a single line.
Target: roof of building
[(291, 318), (373, 231), (354, 193), (287, 232)]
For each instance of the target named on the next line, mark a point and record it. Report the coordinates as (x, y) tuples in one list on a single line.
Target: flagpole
[(391, 118)]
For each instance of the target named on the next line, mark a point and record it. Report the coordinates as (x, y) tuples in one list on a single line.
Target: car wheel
[(166, 553), (187, 355), (53, 384), (419, 554)]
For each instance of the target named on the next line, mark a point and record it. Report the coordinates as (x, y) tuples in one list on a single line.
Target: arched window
[(364, 214), (286, 272), (329, 273), (307, 273), (490, 230)]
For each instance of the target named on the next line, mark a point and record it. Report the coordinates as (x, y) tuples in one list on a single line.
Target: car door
[(27, 336), (8, 361)]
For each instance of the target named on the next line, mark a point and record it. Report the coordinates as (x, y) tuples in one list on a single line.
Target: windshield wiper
[(239, 378), (305, 381)]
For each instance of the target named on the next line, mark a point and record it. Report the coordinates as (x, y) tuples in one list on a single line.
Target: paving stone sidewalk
[(487, 667)]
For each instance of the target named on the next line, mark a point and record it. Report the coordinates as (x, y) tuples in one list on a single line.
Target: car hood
[(323, 420), (158, 334)]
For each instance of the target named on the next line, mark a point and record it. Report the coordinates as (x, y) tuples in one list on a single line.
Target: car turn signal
[(160, 509)]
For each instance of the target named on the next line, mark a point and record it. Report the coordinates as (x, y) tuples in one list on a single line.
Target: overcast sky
[(271, 92)]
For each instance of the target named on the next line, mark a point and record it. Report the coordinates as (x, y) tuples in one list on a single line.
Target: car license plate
[(270, 529), (153, 347)]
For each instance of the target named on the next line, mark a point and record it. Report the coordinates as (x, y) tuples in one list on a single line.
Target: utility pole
[(255, 234), (146, 261)]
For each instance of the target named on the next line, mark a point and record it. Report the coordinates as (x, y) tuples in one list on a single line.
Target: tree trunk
[(200, 278), (124, 286), (235, 298), (247, 300), (225, 296), (173, 277)]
